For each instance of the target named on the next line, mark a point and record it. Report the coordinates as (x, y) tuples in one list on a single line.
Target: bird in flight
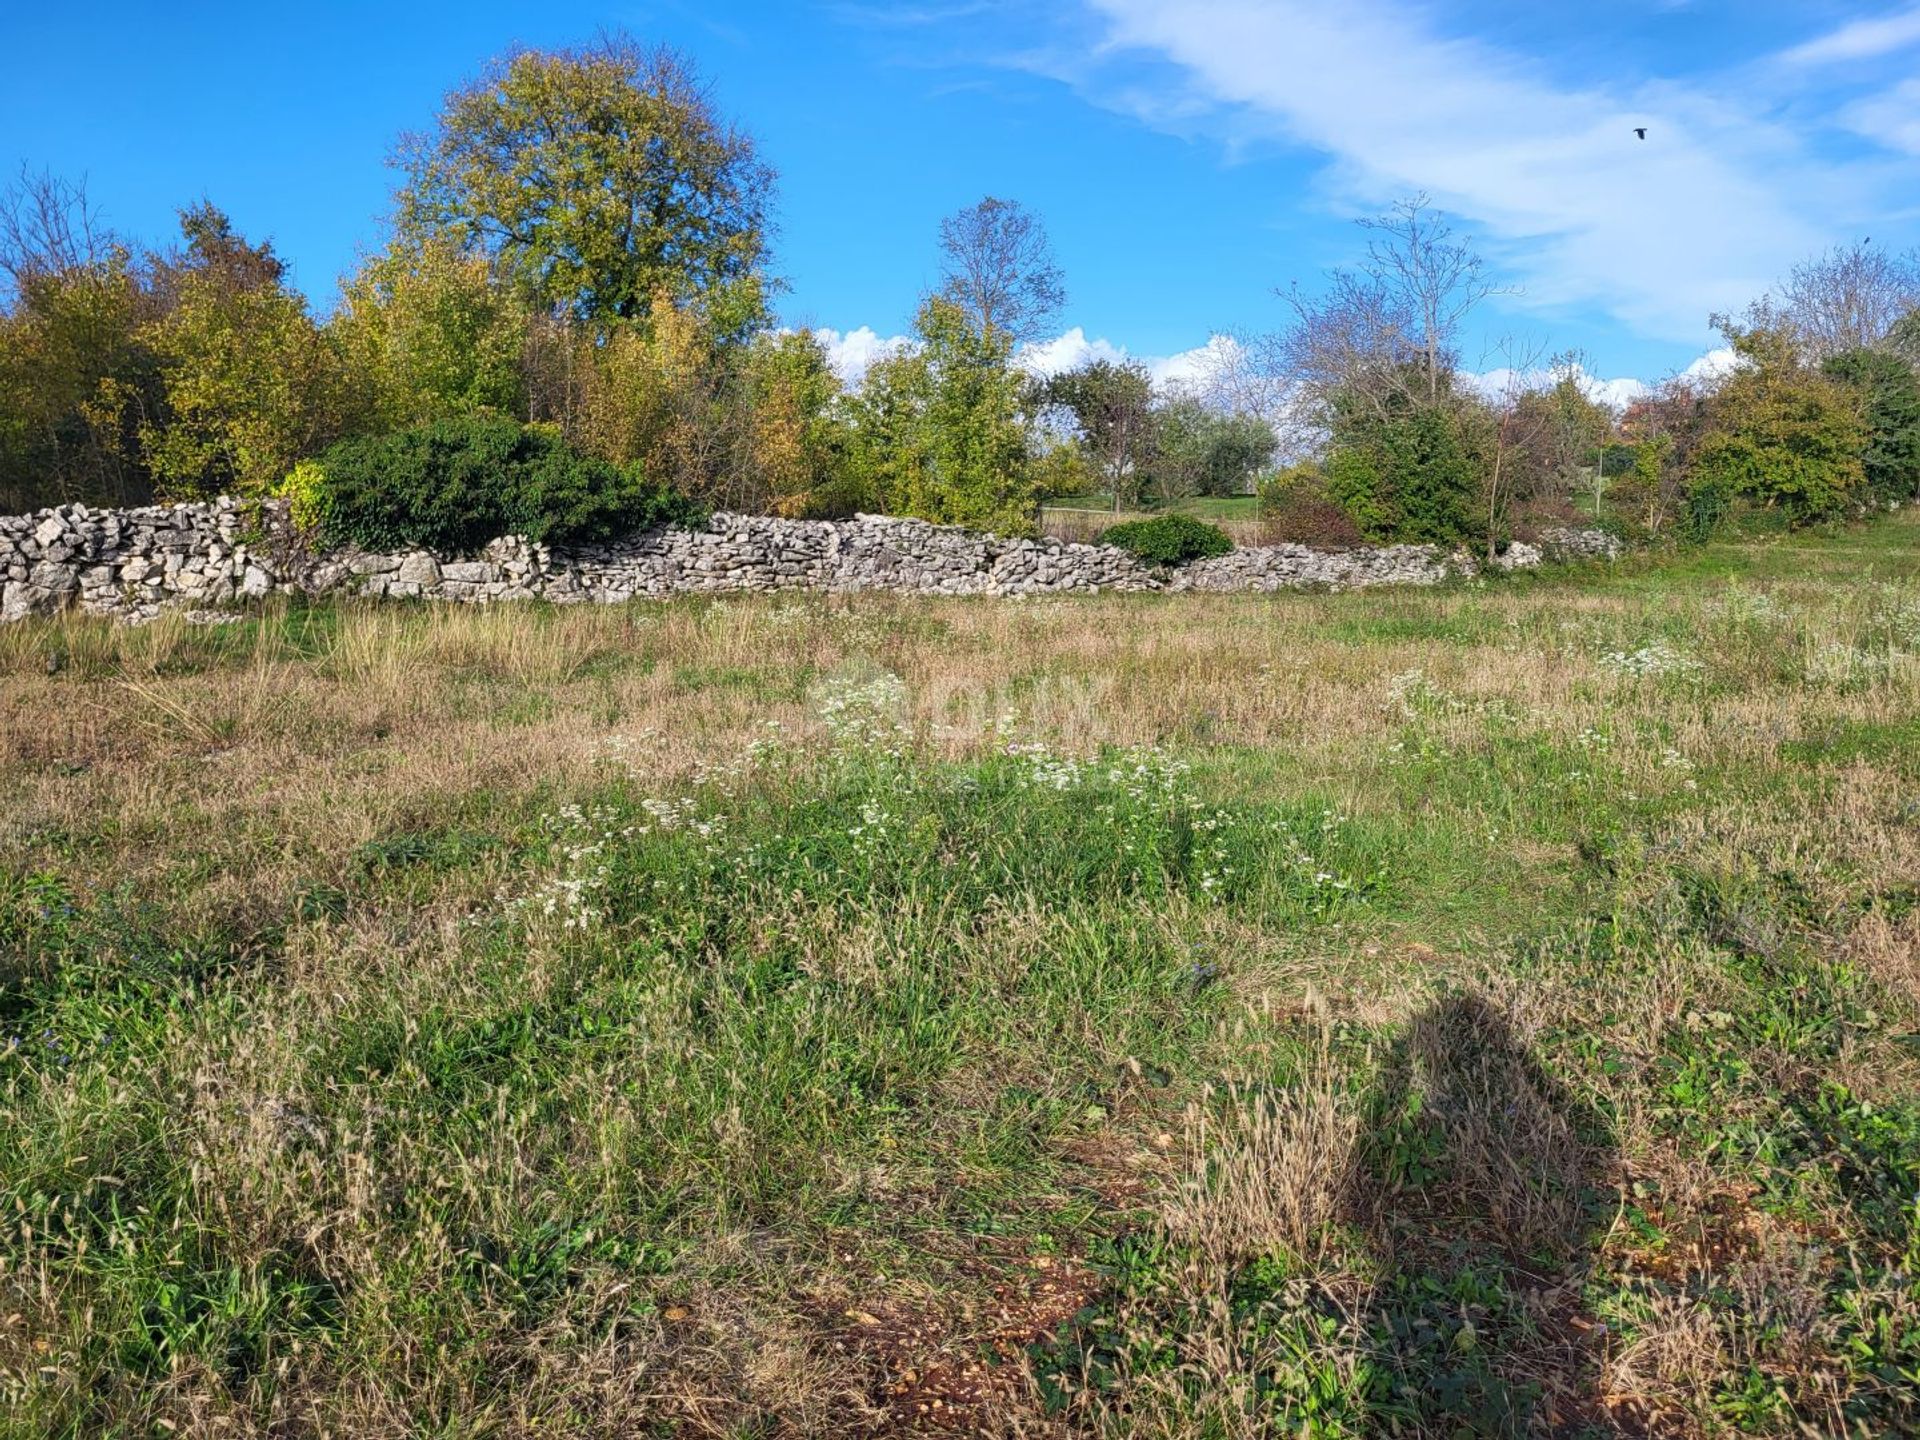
[(1641, 131)]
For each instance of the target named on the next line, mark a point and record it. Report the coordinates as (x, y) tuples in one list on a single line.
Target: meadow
[(1492, 1010)]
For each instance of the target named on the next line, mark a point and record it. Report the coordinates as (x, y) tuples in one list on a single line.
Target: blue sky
[(1188, 155)]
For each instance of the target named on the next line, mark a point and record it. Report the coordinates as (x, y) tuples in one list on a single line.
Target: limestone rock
[(419, 569), (134, 562)]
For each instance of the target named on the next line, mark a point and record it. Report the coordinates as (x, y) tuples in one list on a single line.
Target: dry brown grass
[(222, 776)]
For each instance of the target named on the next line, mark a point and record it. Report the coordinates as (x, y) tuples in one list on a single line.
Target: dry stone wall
[(133, 563)]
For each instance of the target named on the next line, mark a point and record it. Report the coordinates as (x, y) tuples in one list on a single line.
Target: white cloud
[(1216, 369), (1701, 216), (1891, 118), (1616, 393), (1070, 351), (1859, 40), (1187, 370), (1199, 368), (1713, 366), (851, 353)]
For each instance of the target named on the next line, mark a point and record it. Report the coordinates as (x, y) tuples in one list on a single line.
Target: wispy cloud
[(1702, 215), (1890, 118), (1866, 39), (909, 17)]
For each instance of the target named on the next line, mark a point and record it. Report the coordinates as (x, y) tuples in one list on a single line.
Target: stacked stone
[(133, 562), (1566, 543), (1293, 567), (734, 553)]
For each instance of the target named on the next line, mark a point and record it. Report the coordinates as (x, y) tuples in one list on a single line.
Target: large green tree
[(432, 334), (1111, 403), (1200, 451), (941, 432), (252, 385), (598, 178), (1890, 396), (796, 442), (1406, 469), (1783, 433), (76, 378)]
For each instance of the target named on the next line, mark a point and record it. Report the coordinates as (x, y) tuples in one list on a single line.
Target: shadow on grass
[(1481, 1186), (1413, 1262)]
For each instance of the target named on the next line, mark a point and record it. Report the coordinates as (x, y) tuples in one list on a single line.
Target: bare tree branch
[(1382, 335), (48, 226), (1847, 299), (998, 267)]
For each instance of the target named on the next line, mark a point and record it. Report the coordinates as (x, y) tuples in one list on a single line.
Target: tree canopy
[(1111, 403), (252, 384), (941, 431), (1784, 433), (1889, 393), (596, 178)]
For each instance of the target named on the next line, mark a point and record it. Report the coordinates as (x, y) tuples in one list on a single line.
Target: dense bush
[(1783, 434), (1354, 485), (75, 379), (942, 430), (1706, 506), (1409, 476), (1889, 393), (1297, 509), (453, 485), (1169, 539)]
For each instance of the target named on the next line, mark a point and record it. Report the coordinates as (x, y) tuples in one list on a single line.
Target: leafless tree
[(1355, 340), (998, 267), (1848, 298), (1517, 426), (1434, 277), (1243, 377), (47, 226), (1383, 334)]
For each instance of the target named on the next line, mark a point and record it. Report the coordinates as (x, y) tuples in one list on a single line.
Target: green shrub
[(1783, 434), (1169, 539), (1708, 504), (1298, 509), (455, 484), (1409, 476), (1353, 483), (1889, 392), (305, 491)]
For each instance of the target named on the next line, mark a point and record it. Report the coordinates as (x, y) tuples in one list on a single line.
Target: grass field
[(1485, 1011)]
